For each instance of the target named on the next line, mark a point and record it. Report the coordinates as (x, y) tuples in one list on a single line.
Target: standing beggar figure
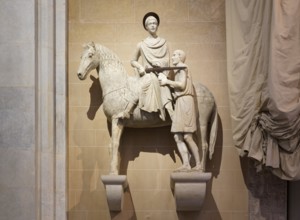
[(154, 53), (184, 120)]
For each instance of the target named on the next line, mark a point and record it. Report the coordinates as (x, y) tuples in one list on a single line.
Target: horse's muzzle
[(80, 76)]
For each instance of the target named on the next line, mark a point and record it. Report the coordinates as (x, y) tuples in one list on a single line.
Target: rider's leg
[(132, 101), (188, 138), (128, 111), (184, 153), (167, 99)]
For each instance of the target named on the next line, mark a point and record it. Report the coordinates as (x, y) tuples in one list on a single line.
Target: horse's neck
[(112, 73)]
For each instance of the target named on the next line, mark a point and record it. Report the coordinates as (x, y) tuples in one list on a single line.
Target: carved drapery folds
[(264, 82)]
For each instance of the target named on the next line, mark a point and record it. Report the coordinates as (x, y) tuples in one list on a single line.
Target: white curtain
[(263, 66)]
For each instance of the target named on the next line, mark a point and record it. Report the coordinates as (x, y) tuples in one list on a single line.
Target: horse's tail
[(208, 116), (213, 131)]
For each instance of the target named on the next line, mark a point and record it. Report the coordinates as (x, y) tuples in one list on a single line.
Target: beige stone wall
[(149, 156)]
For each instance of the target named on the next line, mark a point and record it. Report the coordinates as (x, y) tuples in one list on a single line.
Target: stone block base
[(115, 186), (189, 189)]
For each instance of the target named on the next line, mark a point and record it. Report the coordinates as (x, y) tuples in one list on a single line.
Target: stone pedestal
[(115, 186), (189, 189)]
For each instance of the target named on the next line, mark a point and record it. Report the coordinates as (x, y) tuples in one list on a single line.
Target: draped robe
[(153, 97)]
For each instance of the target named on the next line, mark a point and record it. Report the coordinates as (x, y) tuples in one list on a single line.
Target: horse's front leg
[(116, 130)]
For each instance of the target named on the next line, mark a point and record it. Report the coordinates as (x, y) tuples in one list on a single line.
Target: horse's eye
[(90, 55)]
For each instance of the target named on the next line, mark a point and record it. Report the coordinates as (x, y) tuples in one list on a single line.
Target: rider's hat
[(148, 15)]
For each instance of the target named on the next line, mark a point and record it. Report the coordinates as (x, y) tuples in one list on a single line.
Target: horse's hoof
[(183, 168)]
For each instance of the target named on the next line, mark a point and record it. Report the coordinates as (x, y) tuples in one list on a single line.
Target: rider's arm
[(134, 62)]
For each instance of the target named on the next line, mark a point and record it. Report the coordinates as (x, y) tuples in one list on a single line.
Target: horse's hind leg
[(203, 129), (117, 128)]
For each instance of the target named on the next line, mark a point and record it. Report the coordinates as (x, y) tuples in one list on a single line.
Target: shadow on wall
[(148, 140), (95, 98)]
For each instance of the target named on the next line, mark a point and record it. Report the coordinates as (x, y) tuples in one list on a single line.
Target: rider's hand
[(141, 71), (162, 79), (163, 82), (162, 76)]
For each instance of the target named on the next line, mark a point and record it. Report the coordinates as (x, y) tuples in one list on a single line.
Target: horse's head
[(89, 60)]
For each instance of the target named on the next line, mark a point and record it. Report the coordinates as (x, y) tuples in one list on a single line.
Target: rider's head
[(150, 16)]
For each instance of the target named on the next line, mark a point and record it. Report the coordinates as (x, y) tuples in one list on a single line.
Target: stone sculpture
[(184, 122), (140, 101), (119, 89)]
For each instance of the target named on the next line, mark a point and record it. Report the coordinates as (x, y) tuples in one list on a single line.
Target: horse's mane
[(107, 54)]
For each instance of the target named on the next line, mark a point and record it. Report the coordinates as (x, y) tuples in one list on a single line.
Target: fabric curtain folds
[(263, 66)]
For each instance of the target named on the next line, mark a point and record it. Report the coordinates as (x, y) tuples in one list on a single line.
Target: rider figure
[(154, 53)]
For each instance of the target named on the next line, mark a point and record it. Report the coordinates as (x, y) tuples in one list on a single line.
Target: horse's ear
[(92, 44)]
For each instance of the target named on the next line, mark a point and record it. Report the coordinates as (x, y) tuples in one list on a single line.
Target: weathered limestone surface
[(17, 105), (189, 189), (33, 110), (115, 186)]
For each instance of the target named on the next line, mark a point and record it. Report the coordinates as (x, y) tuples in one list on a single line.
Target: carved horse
[(118, 89)]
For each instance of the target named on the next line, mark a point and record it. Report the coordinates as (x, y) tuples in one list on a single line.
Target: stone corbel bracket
[(189, 189), (115, 186)]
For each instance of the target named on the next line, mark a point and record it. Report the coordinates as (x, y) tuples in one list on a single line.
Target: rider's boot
[(127, 112)]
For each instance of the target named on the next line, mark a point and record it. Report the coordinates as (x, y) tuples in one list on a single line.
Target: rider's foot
[(123, 115)]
